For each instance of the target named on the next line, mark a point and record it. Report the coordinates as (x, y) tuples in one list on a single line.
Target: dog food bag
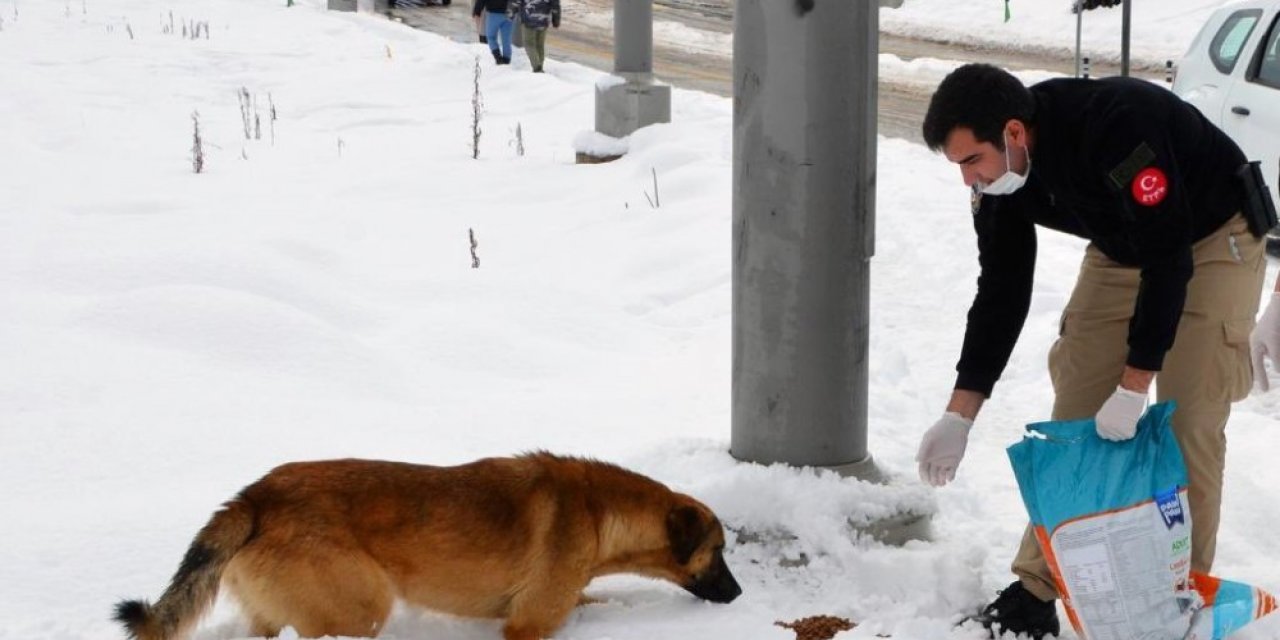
[(1113, 522), (1225, 606)]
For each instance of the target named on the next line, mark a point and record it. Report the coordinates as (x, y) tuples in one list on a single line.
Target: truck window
[(1226, 45), (1269, 62)]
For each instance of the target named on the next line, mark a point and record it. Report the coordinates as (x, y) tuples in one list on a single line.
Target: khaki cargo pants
[(1207, 369)]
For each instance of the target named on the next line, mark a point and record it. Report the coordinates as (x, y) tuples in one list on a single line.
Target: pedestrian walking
[(497, 28), (534, 17)]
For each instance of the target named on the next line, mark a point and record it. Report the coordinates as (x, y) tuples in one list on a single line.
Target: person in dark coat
[(535, 16)]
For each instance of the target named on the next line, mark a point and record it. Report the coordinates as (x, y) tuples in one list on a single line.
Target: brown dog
[(327, 547)]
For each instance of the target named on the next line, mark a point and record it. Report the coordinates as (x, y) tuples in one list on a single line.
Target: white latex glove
[(1118, 417), (942, 448), (1265, 341)]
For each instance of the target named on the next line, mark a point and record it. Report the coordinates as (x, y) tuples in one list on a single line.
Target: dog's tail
[(195, 585)]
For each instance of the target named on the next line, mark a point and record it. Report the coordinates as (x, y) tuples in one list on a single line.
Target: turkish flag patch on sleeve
[(1150, 187)]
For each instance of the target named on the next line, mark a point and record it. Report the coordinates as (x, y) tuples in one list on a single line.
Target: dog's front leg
[(538, 610)]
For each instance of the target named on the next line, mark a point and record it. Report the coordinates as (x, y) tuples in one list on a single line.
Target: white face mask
[(1010, 181)]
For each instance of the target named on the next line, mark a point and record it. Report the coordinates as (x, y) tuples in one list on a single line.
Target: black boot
[(505, 60), (1016, 609), (497, 56)]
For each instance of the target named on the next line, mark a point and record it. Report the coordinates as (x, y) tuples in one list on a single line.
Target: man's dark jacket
[(1125, 164), (492, 6)]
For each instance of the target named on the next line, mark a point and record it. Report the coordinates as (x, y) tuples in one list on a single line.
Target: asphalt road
[(586, 38)]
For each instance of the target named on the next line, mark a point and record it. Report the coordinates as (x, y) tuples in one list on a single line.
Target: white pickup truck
[(1232, 74)]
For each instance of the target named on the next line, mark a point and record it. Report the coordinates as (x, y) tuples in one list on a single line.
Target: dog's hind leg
[(261, 628), (324, 589)]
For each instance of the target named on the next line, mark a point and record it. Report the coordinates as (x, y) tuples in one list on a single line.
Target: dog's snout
[(728, 591), (723, 590), (717, 584)]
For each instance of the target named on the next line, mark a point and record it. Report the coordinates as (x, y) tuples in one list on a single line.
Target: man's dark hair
[(979, 97)]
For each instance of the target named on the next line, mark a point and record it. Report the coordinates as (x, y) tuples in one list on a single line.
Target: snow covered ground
[(168, 337), (1159, 30)]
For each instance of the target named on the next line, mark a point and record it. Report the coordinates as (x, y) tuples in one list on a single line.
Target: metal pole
[(1124, 39), (803, 230), (1079, 28), (633, 38)]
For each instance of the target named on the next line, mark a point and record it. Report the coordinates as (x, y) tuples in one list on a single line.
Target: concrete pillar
[(803, 231), (364, 6), (634, 101), (633, 38)]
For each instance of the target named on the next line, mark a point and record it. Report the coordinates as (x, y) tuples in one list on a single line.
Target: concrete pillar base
[(624, 107), (587, 158), (374, 6), (897, 529), (864, 470), (894, 530)]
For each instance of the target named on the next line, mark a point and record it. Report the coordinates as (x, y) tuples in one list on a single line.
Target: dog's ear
[(685, 530)]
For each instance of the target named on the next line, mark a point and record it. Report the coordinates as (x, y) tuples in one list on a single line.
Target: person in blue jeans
[(497, 27)]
